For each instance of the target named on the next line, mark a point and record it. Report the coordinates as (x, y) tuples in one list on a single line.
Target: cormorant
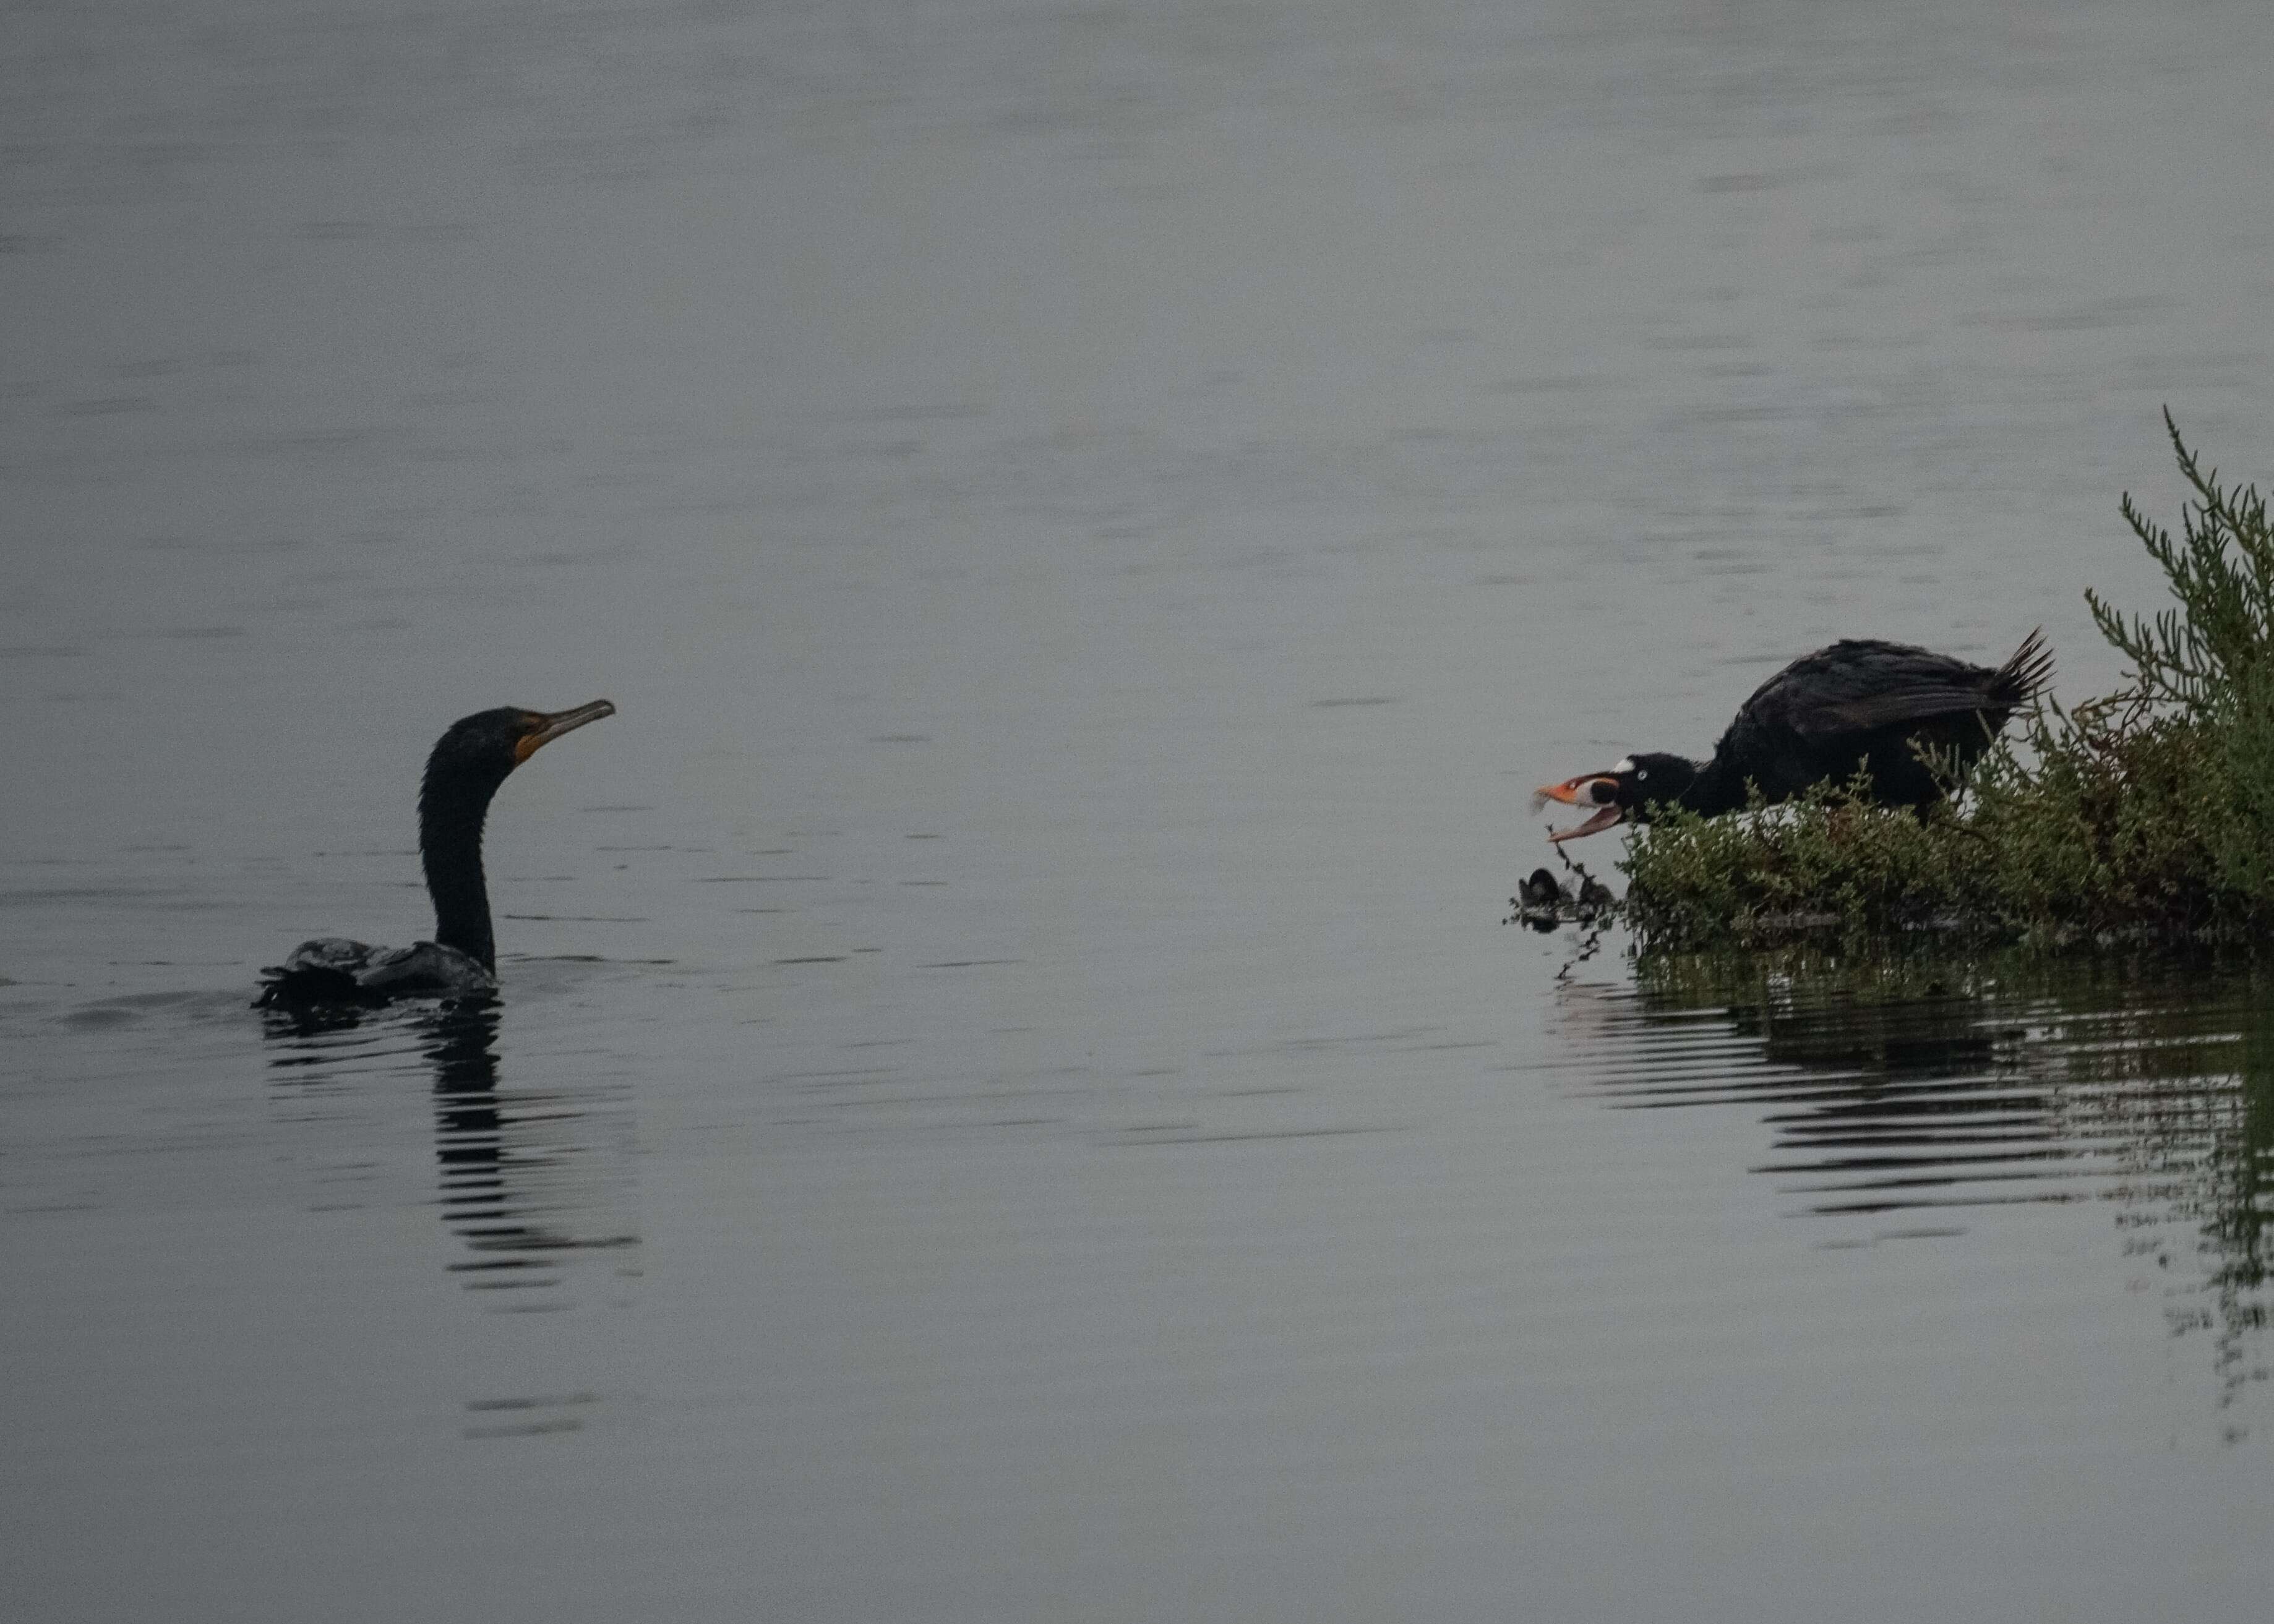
[(468, 763), (1859, 703)]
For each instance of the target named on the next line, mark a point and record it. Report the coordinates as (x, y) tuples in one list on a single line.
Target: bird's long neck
[(1719, 788), (450, 815)]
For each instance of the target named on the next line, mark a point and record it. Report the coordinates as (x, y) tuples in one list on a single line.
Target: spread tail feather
[(2021, 679)]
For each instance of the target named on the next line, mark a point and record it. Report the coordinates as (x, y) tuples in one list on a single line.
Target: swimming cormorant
[(1859, 703), (468, 763)]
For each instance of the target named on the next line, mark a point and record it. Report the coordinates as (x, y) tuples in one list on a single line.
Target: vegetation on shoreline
[(2146, 815)]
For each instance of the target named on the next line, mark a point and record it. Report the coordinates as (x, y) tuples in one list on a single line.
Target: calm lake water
[(1013, 1098)]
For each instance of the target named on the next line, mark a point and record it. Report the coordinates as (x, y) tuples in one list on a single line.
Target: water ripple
[(1981, 1086)]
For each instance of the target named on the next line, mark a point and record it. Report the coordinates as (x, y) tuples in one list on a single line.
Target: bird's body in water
[(468, 763), (1860, 702)]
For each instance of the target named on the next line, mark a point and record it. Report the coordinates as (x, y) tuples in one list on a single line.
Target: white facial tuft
[(1625, 764)]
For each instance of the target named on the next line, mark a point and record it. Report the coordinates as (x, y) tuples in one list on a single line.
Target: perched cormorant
[(468, 763), (1860, 702)]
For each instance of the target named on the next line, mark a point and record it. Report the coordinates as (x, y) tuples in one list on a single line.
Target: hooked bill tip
[(550, 727)]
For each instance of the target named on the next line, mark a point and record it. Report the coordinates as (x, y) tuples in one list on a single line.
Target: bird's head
[(483, 748), (1623, 795)]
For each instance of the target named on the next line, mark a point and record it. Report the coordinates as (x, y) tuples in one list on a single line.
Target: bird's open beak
[(553, 726), (1589, 789)]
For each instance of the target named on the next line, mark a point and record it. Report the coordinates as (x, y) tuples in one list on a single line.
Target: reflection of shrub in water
[(2208, 1151), (2145, 814), (1989, 1076)]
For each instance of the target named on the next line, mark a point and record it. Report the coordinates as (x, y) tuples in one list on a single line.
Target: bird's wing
[(1868, 711), (335, 954), (1860, 686), (389, 967), (424, 969), (318, 973)]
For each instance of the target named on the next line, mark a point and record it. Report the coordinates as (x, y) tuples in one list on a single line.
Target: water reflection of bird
[(525, 1173), (1859, 703), (470, 1133), (468, 763)]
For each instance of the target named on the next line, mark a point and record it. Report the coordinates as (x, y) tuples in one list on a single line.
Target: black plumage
[(468, 763), (1859, 703)]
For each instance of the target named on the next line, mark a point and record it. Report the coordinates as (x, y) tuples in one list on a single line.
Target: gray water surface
[(1012, 1097)]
